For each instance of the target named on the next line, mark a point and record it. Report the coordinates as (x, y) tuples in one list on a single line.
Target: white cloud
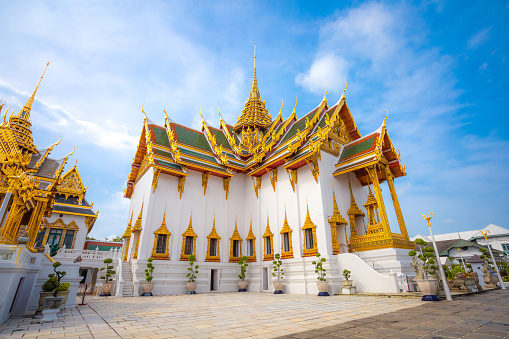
[(479, 38), (388, 68), (483, 66), (329, 69)]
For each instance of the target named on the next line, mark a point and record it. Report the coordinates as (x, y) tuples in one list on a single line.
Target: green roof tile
[(192, 138), (357, 148), (300, 125), (161, 136), (198, 155), (221, 138)]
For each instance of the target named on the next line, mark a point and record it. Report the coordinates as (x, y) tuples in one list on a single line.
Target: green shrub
[(243, 264), (149, 270), (278, 270), (63, 287), (193, 270), (346, 274), (109, 270), (319, 267), (51, 284)]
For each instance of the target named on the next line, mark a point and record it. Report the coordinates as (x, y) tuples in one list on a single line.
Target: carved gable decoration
[(71, 184)]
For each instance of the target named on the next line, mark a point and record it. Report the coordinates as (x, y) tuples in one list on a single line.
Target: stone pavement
[(482, 315), (264, 315)]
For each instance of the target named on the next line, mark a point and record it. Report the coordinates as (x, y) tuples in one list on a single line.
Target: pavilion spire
[(21, 125)]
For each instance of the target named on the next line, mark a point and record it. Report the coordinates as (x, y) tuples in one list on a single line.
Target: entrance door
[(265, 278), (213, 280)]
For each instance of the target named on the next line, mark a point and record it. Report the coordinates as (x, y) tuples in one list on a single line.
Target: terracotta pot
[(242, 286), (105, 289), (323, 287), (148, 287), (191, 286), (428, 287), (278, 287), (65, 295), (347, 282), (43, 296)]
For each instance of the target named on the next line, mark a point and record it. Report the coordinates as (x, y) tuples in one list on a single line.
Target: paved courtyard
[(263, 315)]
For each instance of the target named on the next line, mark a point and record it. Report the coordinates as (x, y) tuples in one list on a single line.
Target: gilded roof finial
[(144, 111), (281, 108), (343, 95), (293, 112), (386, 117), (202, 118), (326, 92)]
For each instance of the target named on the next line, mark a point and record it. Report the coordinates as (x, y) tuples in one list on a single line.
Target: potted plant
[(322, 284), (148, 286), (242, 276), (50, 286), (346, 274), (278, 274), (193, 271), (107, 285), (426, 257), (53, 295)]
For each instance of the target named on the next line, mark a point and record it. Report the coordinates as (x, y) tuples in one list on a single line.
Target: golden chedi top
[(255, 113), (21, 125)]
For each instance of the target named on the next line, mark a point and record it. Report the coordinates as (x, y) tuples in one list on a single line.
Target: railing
[(89, 254), (17, 255)]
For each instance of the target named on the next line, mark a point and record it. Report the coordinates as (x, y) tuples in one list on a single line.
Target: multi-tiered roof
[(256, 144)]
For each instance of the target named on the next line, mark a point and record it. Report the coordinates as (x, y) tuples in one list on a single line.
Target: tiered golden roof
[(255, 113), (21, 125)]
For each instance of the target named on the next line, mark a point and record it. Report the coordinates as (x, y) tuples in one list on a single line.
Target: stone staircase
[(127, 276)]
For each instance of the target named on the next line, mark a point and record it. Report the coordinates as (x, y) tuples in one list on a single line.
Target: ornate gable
[(71, 185)]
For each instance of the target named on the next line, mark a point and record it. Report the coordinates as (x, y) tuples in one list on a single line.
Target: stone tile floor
[(263, 315)]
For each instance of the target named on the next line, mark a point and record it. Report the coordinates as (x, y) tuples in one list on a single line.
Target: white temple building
[(296, 186)]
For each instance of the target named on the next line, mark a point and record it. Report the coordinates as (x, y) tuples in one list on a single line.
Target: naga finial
[(386, 117), (202, 118), (281, 107), (326, 92), (295, 105), (343, 95), (55, 144), (143, 111)]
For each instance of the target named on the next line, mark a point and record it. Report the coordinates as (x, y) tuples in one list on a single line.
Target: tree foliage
[(109, 270), (193, 270), (243, 264), (278, 270), (149, 270), (319, 269)]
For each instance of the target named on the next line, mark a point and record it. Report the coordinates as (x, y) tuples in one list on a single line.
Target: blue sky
[(439, 67)]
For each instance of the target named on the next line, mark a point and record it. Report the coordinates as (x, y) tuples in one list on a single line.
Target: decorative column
[(381, 206), (35, 222), (395, 202)]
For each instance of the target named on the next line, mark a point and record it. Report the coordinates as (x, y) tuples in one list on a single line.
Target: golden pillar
[(381, 206), (395, 201), (35, 222)]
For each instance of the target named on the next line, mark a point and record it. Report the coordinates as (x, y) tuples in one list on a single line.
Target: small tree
[(109, 270), (193, 270), (278, 270), (149, 270), (243, 264), (53, 283), (346, 274), (319, 267), (426, 256)]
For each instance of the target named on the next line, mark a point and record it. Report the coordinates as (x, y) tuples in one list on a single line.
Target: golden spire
[(255, 113), (25, 112), (20, 124), (127, 233), (336, 215), (137, 224)]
